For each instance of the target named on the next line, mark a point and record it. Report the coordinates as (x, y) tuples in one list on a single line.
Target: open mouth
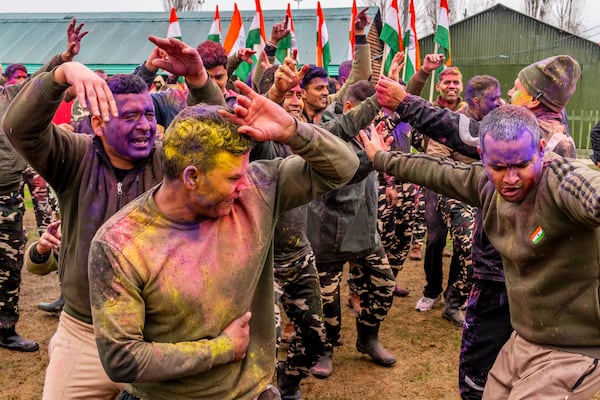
[(140, 141)]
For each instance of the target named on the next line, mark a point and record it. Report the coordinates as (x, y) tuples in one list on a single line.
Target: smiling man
[(540, 211)]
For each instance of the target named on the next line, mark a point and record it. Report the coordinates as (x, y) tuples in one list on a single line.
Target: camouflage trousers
[(373, 281), (419, 226), (444, 214), (395, 224), (298, 288), (12, 247), (43, 199), (487, 328)]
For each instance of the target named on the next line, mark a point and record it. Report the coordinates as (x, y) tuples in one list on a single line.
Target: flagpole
[(433, 77), (383, 57)]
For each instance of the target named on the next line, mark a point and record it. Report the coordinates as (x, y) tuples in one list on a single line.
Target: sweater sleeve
[(452, 129), (325, 163), (53, 152), (443, 175), (118, 311)]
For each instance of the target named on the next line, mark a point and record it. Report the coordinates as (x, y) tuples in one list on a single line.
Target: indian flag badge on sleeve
[(537, 235)]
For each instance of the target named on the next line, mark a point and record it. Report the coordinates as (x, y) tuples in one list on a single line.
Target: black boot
[(10, 339), (324, 367), (452, 311), (289, 385), (54, 307), (367, 342)]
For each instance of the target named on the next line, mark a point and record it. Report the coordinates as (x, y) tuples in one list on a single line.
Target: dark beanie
[(552, 80)]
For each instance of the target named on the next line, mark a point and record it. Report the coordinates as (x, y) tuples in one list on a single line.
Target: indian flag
[(537, 235), (256, 40), (352, 39), (236, 36), (411, 45), (174, 30), (214, 34), (323, 53), (390, 35), (442, 33), (288, 43)]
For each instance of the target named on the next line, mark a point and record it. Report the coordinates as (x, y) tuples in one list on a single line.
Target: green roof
[(119, 41)]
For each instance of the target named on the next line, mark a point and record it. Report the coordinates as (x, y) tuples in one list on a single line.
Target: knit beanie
[(552, 80)]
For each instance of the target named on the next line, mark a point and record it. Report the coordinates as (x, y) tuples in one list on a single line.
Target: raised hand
[(397, 64), (279, 31), (74, 36), (287, 77), (362, 21), (92, 91), (245, 54), (179, 59), (50, 239), (259, 117), (374, 140), (431, 62), (239, 333)]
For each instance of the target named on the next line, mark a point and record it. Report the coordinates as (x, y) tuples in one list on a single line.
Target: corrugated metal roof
[(119, 40)]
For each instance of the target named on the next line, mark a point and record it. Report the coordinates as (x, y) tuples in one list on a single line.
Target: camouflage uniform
[(419, 227), (373, 281), (12, 246), (301, 300), (44, 201)]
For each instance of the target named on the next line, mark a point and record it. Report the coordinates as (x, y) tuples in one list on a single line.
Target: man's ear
[(191, 176), (480, 152), (304, 93), (347, 106), (97, 125), (542, 146), (534, 103)]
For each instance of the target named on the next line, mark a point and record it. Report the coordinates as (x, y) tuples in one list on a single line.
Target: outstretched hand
[(74, 36), (374, 140), (389, 93), (397, 64), (50, 239), (259, 117), (431, 62), (179, 59), (362, 21)]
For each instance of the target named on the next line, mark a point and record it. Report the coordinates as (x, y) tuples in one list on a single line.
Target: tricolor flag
[(537, 235), (390, 35), (256, 40), (323, 53), (352, 39), (411, 45), (214, 33), (236, 36), (174, 30), (442, 33), (289, 41)]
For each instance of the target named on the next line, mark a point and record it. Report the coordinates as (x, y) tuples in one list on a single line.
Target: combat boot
[(324, 367), (367, 342), (452, 310), (10, 339), (289, 385), (54, 307)]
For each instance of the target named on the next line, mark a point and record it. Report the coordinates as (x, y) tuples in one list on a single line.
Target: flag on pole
[(442, 32), (352, 39), (390, 35), (174, 30), (289, 41), (256, 41), (236, 36), (411, 45), (214, 34), (323, 53)]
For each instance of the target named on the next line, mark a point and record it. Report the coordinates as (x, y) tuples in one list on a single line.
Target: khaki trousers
[(524, 370), (75, 371)]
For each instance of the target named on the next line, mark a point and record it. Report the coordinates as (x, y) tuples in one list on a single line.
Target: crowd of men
[(189, 212)]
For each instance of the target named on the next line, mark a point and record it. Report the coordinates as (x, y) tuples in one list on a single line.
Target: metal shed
[(117, 42), (501, 41)]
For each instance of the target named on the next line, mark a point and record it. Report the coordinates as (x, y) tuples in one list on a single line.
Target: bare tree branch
[(182, 5)]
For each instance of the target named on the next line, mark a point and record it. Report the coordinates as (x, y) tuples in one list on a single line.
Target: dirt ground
[(425, 345)]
